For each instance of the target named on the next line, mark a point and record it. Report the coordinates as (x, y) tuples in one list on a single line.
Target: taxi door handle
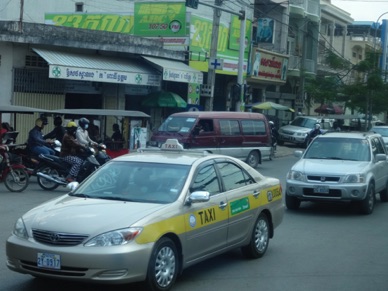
[(223, 205), (256, 194)]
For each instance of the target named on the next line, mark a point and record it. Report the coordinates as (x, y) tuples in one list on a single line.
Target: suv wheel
[(292, 203), (367, 205)]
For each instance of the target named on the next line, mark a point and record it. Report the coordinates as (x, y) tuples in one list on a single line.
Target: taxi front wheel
[(163, 266), (259, 239)]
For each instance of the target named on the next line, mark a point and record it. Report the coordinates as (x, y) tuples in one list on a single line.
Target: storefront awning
[(97, 68), (177, 71)]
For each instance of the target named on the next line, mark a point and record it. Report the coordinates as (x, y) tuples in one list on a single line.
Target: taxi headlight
[(115, 237), (295, 175), (20, 229), (355, 178)]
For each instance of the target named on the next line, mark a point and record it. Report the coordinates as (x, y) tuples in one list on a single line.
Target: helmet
[(71, 124), (271, 123), (83, 123), (40, 122), (317, 126), (71, 127), (57, 121)]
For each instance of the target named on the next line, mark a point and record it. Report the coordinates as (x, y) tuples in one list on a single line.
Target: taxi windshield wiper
[(118, 198), (79, 195)]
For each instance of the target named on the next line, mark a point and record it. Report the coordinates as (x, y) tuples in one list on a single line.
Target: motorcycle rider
[(315, 131), (36, 142), (274, 134), (58, 132), (82, 134), (71, 149)]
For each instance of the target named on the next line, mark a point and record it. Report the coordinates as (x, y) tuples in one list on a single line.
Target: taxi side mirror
[(197, 197)]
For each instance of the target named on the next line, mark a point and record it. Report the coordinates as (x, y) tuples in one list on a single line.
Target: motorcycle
[(54, 170), (31, 161), (100, 154), (12, 171)]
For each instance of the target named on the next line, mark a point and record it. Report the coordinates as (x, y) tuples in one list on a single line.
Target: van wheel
[(253, 159)]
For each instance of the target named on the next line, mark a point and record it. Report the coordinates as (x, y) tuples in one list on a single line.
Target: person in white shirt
[(82, 134)]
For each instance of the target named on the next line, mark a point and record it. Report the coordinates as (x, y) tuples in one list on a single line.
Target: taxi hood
[(86, 215)]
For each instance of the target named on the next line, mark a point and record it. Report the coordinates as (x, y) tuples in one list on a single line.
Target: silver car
[(340, 166), (147, 216), (297, 132)]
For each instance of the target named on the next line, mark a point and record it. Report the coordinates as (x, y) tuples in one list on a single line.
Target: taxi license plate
[(321, 189), (49, 261)]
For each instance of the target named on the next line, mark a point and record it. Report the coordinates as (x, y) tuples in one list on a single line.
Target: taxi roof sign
[(172, 145)]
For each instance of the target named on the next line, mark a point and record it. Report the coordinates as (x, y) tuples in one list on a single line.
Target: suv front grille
[(323, 179), (58, 238)]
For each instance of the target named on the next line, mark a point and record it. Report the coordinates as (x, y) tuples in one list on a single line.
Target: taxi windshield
[(178, 124), (135, 181)]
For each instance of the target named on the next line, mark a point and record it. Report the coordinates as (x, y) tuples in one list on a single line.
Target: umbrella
[(329, 109), (271, 105), (164, 99)]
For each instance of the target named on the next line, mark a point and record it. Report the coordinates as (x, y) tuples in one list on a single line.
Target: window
[(253, 127), (229, 127), (35, 61), (206, 180), (233, 177), (79, 7)]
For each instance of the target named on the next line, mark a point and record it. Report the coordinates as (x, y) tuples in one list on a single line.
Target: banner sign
[(123, 23), (200, 40), (265, 29), (234, 33), (160, 19), (268, 66), (93, 75)]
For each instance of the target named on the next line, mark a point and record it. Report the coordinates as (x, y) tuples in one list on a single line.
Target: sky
[(364, 10)]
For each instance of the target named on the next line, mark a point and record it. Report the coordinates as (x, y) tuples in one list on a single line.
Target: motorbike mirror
[(72, 186)]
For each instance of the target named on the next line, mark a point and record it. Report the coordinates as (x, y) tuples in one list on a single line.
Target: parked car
[(148, 216), (340, 166), (383, 131), (243, 135), (297, 131)]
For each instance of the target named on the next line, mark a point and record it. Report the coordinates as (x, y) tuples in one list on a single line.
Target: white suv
[(340, 166), (297, 131)]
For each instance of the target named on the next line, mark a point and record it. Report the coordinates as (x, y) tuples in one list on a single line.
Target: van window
[(229, 127), (253, 127), (178, 124)]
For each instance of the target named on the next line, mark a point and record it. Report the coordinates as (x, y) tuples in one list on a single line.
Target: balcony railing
[(295, 62)]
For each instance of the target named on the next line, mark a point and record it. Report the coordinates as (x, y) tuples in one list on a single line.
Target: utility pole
[(21, 15), (211, 74), (240, 73)]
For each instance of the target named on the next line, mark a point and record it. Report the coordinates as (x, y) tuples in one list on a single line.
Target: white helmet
[(317, 126)]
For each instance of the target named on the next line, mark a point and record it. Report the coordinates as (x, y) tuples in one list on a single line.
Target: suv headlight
[(115, 237), (295, 175), (355, 178), (19, 229)]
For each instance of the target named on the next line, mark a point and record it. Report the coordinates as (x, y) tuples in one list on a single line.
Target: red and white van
[(243, 135)]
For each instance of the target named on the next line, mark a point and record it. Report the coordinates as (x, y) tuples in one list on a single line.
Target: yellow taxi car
[(146, 217)]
